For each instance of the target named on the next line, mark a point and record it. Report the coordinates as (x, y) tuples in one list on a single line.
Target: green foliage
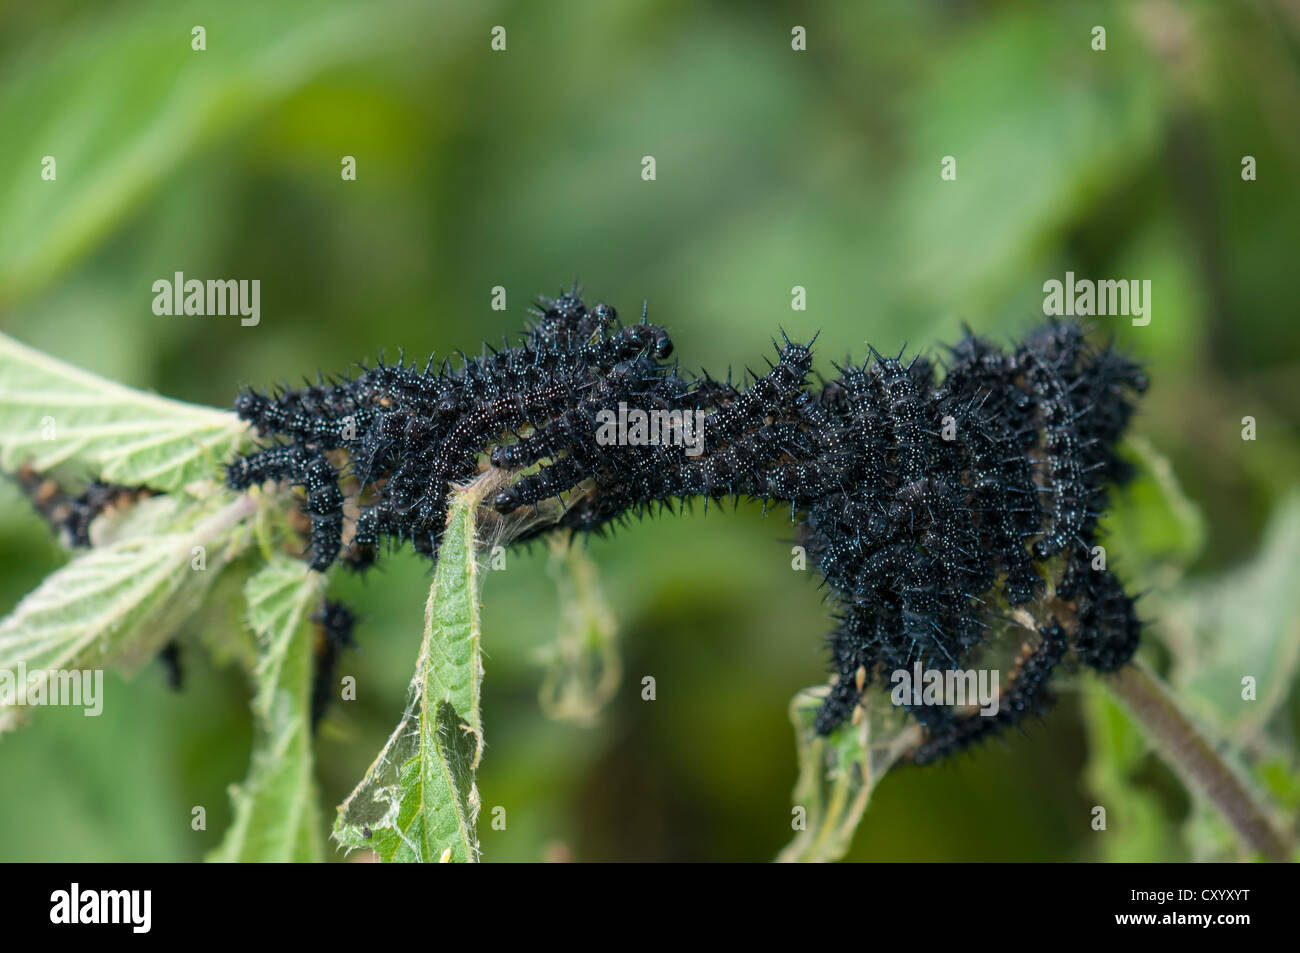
[(418, 801), (1259, 604), (1234, 643), (277, 810), (837, 774), (153, 568), (115, 141), (57, 415), (119, 603), (1238, 687), (1154, 530)]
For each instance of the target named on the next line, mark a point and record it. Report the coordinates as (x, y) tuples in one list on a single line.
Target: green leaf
[(120, 603), (116, 142), (1153, 526), (277, 813), (1244, 625), (997, 81), (838, 772), (418, 801), (54, 415), (583, 666)]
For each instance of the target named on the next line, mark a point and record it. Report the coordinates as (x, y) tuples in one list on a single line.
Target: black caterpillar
[(334, 625), (70, 517), (926, 506)]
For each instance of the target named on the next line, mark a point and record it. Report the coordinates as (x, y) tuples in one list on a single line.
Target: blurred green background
[(522, 168)]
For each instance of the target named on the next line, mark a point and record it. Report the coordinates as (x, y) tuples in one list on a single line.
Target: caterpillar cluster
[(929, 504), (979, 488), (409, 433)]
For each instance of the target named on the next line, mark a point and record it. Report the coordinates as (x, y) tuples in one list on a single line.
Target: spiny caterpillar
[(71, 516), (334, 624), (931, 508)]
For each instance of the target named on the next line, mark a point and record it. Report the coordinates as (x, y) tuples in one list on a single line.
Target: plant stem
[(1189, 752)]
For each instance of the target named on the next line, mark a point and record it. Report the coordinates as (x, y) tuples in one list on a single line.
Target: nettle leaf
[(418, 800), (120, 603), (277, 811), (1220, 632), (57, 415), (1153, 530), (1245, 625), (838, 772), (1235, 642)]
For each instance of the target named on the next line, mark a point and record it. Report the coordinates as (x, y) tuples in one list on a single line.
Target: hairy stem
[(1186, 748)]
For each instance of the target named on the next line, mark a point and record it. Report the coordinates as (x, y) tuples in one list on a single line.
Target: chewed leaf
[(837, 774), (56, 415), (119, 604), (277, 817), (583, 667), (418, 801)]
